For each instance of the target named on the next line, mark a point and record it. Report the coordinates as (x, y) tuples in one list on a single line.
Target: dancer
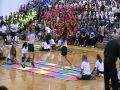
[(64, 47), (31, 40)]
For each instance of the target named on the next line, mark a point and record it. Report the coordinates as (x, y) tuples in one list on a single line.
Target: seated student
[(52, 44), (44, 46), (99, 66), (12, 55), (59, 44), (85, 69), (48, 45)]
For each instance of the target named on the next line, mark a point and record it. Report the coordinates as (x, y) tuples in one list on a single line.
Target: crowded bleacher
[(88, 22)]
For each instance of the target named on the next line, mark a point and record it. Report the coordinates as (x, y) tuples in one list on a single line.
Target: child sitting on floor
[(44, 46), (85, 70), (12, 56), (52, 44), (99, 66)]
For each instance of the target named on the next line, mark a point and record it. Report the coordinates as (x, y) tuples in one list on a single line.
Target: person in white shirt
[(4, 29), (14, 29), (24, 54), (99, 66), (44, 46), (47, 30), (25, 49), (52, 44), (63, 47), (85, 69), (31, 40), (64, 52)]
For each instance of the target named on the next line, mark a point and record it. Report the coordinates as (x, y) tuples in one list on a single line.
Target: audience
[(87, 23)]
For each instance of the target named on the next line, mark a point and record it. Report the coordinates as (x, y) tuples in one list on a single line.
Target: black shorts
[(100, 72), (30, 47), (86, 77), (64, 51)]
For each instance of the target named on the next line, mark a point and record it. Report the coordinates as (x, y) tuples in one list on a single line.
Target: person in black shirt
[(111, 53)]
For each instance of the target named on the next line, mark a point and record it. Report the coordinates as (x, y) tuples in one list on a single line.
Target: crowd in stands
[(87, 22)]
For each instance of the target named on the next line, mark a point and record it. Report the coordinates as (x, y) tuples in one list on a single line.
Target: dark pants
[(85, 77), (110, 72)]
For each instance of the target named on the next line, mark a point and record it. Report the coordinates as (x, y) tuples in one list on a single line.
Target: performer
[(111, 53), (64, 46), (31, 40)]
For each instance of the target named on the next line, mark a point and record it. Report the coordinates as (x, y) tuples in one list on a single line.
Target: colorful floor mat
[(49, 69)]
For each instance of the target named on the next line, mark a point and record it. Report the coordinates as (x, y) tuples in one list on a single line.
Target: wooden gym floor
[(20, 80)]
